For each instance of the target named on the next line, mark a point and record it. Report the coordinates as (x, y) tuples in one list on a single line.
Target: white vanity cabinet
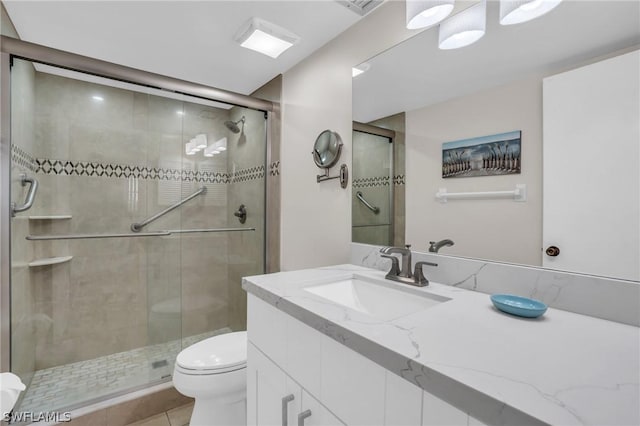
[(276, 399), (292, 368)]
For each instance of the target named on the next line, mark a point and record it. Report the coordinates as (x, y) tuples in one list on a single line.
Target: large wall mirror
[(569, 75)]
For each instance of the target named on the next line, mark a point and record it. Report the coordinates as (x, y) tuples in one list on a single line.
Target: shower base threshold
[(70, 386)]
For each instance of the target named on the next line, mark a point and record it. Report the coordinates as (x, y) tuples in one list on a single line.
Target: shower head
[(233, 125)]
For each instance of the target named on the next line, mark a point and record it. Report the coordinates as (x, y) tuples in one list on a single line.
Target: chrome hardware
[(241, 214), (343, 176), (405, 271), (418, 274), (404, 275), (435, 246), (302, 416), (137, 227), (285, 405), (395, 265), (375, 210), (143, 234), (31, 195)]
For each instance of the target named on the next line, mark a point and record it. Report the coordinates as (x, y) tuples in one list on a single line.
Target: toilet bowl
[(213, 371)]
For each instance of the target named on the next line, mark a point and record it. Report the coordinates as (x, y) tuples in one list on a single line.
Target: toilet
[(213, 371)]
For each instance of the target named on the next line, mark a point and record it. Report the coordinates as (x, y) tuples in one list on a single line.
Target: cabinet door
[(436, 412), (403, 402), (320, 415), (265, 391)]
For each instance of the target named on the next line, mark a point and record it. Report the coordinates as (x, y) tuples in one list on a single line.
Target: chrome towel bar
[(142, 234)]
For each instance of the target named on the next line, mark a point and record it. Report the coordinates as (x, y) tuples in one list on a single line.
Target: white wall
[(316, 95), (491, 229)]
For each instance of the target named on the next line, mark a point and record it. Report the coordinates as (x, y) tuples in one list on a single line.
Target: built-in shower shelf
[(51, 217), (49, 261)]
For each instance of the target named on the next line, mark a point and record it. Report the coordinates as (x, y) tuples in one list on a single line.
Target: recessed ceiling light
[(359, 69), (265, 37)]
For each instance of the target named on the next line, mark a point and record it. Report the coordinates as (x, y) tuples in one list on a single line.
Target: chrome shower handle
[(31, 195)]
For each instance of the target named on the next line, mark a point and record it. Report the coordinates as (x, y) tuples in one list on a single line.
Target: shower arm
[(137, 227)]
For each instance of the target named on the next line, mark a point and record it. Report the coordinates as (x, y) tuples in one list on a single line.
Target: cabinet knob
[(302, 416), (552, 251), (285, 406)]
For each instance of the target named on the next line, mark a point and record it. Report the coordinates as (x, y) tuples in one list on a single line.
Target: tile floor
[(177, 417), (72, 384)]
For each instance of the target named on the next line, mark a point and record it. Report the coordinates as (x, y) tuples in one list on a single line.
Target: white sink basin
[(374, 298)]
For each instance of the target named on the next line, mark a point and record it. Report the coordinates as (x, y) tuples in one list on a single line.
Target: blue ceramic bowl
[(520, 306)]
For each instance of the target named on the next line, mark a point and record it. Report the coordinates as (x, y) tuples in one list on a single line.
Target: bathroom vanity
[(342, 345)]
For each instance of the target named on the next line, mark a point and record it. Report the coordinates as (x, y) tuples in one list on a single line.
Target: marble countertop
[(561, 369)]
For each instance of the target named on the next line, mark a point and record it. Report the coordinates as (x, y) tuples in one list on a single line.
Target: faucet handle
[(418, 274), (395, 264)]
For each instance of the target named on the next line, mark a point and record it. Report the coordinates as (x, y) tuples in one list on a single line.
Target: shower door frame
[(391, 135), (11, 47)]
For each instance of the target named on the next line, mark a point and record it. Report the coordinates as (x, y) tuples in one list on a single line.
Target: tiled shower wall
[(371, 163), (371, 177), (109, 164)]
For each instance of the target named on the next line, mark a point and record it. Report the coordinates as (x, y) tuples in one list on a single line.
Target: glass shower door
[(99, 308)]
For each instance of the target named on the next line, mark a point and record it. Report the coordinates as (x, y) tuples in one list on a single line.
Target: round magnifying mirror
[(326, 150)]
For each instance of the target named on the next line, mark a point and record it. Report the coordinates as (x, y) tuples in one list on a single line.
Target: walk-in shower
[(130, 250), (372, 208)]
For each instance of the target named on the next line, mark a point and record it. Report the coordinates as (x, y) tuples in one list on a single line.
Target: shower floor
[(70, 385)]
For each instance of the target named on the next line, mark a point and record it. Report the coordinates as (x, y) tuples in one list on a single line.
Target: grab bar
[(137, 227), (375, 210), (31, 195), (144, 234)]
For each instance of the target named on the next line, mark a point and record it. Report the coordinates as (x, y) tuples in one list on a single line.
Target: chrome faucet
[(404, 274), (435, 246), (405, 271)]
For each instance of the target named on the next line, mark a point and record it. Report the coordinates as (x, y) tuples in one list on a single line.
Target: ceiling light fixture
[(265, 37), (201, 141), (424, 13), (465, 28), (359, 69), (190, 147), (517, 11), (216, 148)]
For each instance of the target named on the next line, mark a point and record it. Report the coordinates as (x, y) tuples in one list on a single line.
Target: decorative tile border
[(244, 175), (377, 181), (23, 158), (274, 168), (371, 181), (87, 168)]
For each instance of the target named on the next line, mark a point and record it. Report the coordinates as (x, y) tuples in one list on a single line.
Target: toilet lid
[(215, 353)]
